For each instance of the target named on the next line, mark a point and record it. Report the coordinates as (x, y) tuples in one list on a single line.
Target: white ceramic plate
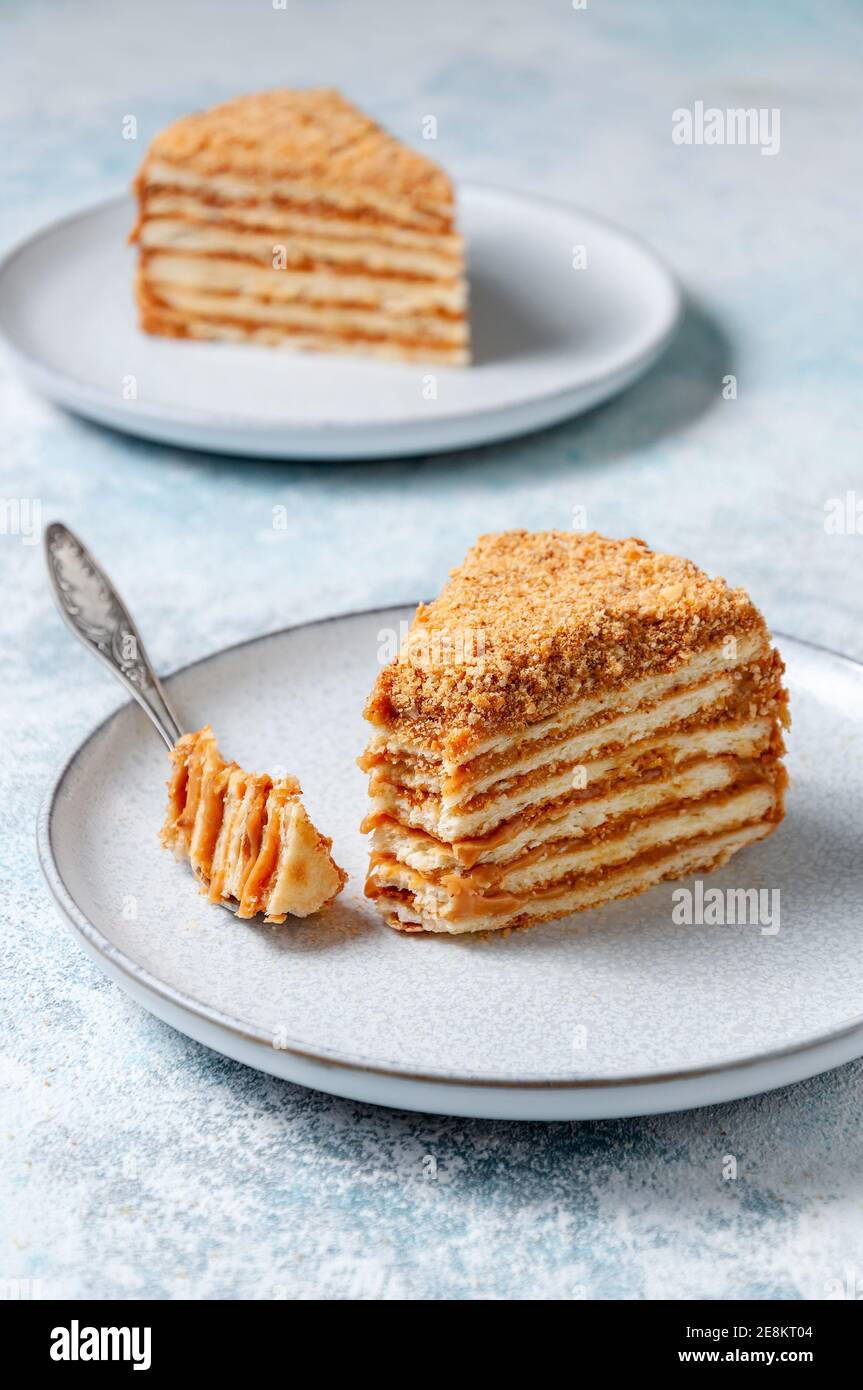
[(549, 340), (613, 1012)]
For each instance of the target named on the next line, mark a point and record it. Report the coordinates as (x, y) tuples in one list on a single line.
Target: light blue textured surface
[(137, 1163)]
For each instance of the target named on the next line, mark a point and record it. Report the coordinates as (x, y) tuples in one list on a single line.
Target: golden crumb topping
[(314, 136), (533, 621)]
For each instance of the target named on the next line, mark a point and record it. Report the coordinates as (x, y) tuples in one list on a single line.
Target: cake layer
[(155, 318), (583, 817), (302, 195), (447, 893), (321, 318), (552, 617), (248, 838), (261, 286), (280, 221), (703, 855), (724, 695), (347, 253), (742, 739), (304, 139), (746, 651)]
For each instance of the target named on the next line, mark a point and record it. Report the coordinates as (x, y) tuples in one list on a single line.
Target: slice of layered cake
[(292, 219), (247, 836), (573, 720)]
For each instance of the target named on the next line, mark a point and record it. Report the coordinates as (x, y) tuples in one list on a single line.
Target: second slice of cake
[(574, 720), (292, 219)]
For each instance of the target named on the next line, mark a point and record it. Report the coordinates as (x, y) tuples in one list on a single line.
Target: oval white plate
[(549, 341), (613, 1012)]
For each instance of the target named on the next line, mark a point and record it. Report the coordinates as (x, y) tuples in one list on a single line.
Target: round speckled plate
[(615, 1012), (550, 340)]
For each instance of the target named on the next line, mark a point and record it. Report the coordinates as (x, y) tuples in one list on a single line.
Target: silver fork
[(92, 609)]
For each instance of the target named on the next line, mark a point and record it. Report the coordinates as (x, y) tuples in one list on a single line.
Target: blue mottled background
[(135, 1162)]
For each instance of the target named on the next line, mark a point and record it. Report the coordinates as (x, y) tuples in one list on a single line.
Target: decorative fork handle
[(91, 608)]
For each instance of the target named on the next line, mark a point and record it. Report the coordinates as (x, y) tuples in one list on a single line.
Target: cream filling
[(434, 247), (421, 852), (254, 283), (745, 739), (391, 350), (169, 234), (439, 897), (673, 708), (227, 187), (315, 318), (622, 883)]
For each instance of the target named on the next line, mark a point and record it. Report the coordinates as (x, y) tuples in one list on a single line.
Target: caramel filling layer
[(730, 696), (537, 796), (477, 904), (609, 844), (303, 255), (222, 187), (240, 830), (262, 217), (217, 273), (169, 323), (656, 791)]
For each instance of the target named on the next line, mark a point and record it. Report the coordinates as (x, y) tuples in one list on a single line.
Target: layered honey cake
[(292, 219), (247, 836), (573, 720)]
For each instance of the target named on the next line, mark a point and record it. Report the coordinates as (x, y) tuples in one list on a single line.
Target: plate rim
[(58, 383), (139, 976)]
